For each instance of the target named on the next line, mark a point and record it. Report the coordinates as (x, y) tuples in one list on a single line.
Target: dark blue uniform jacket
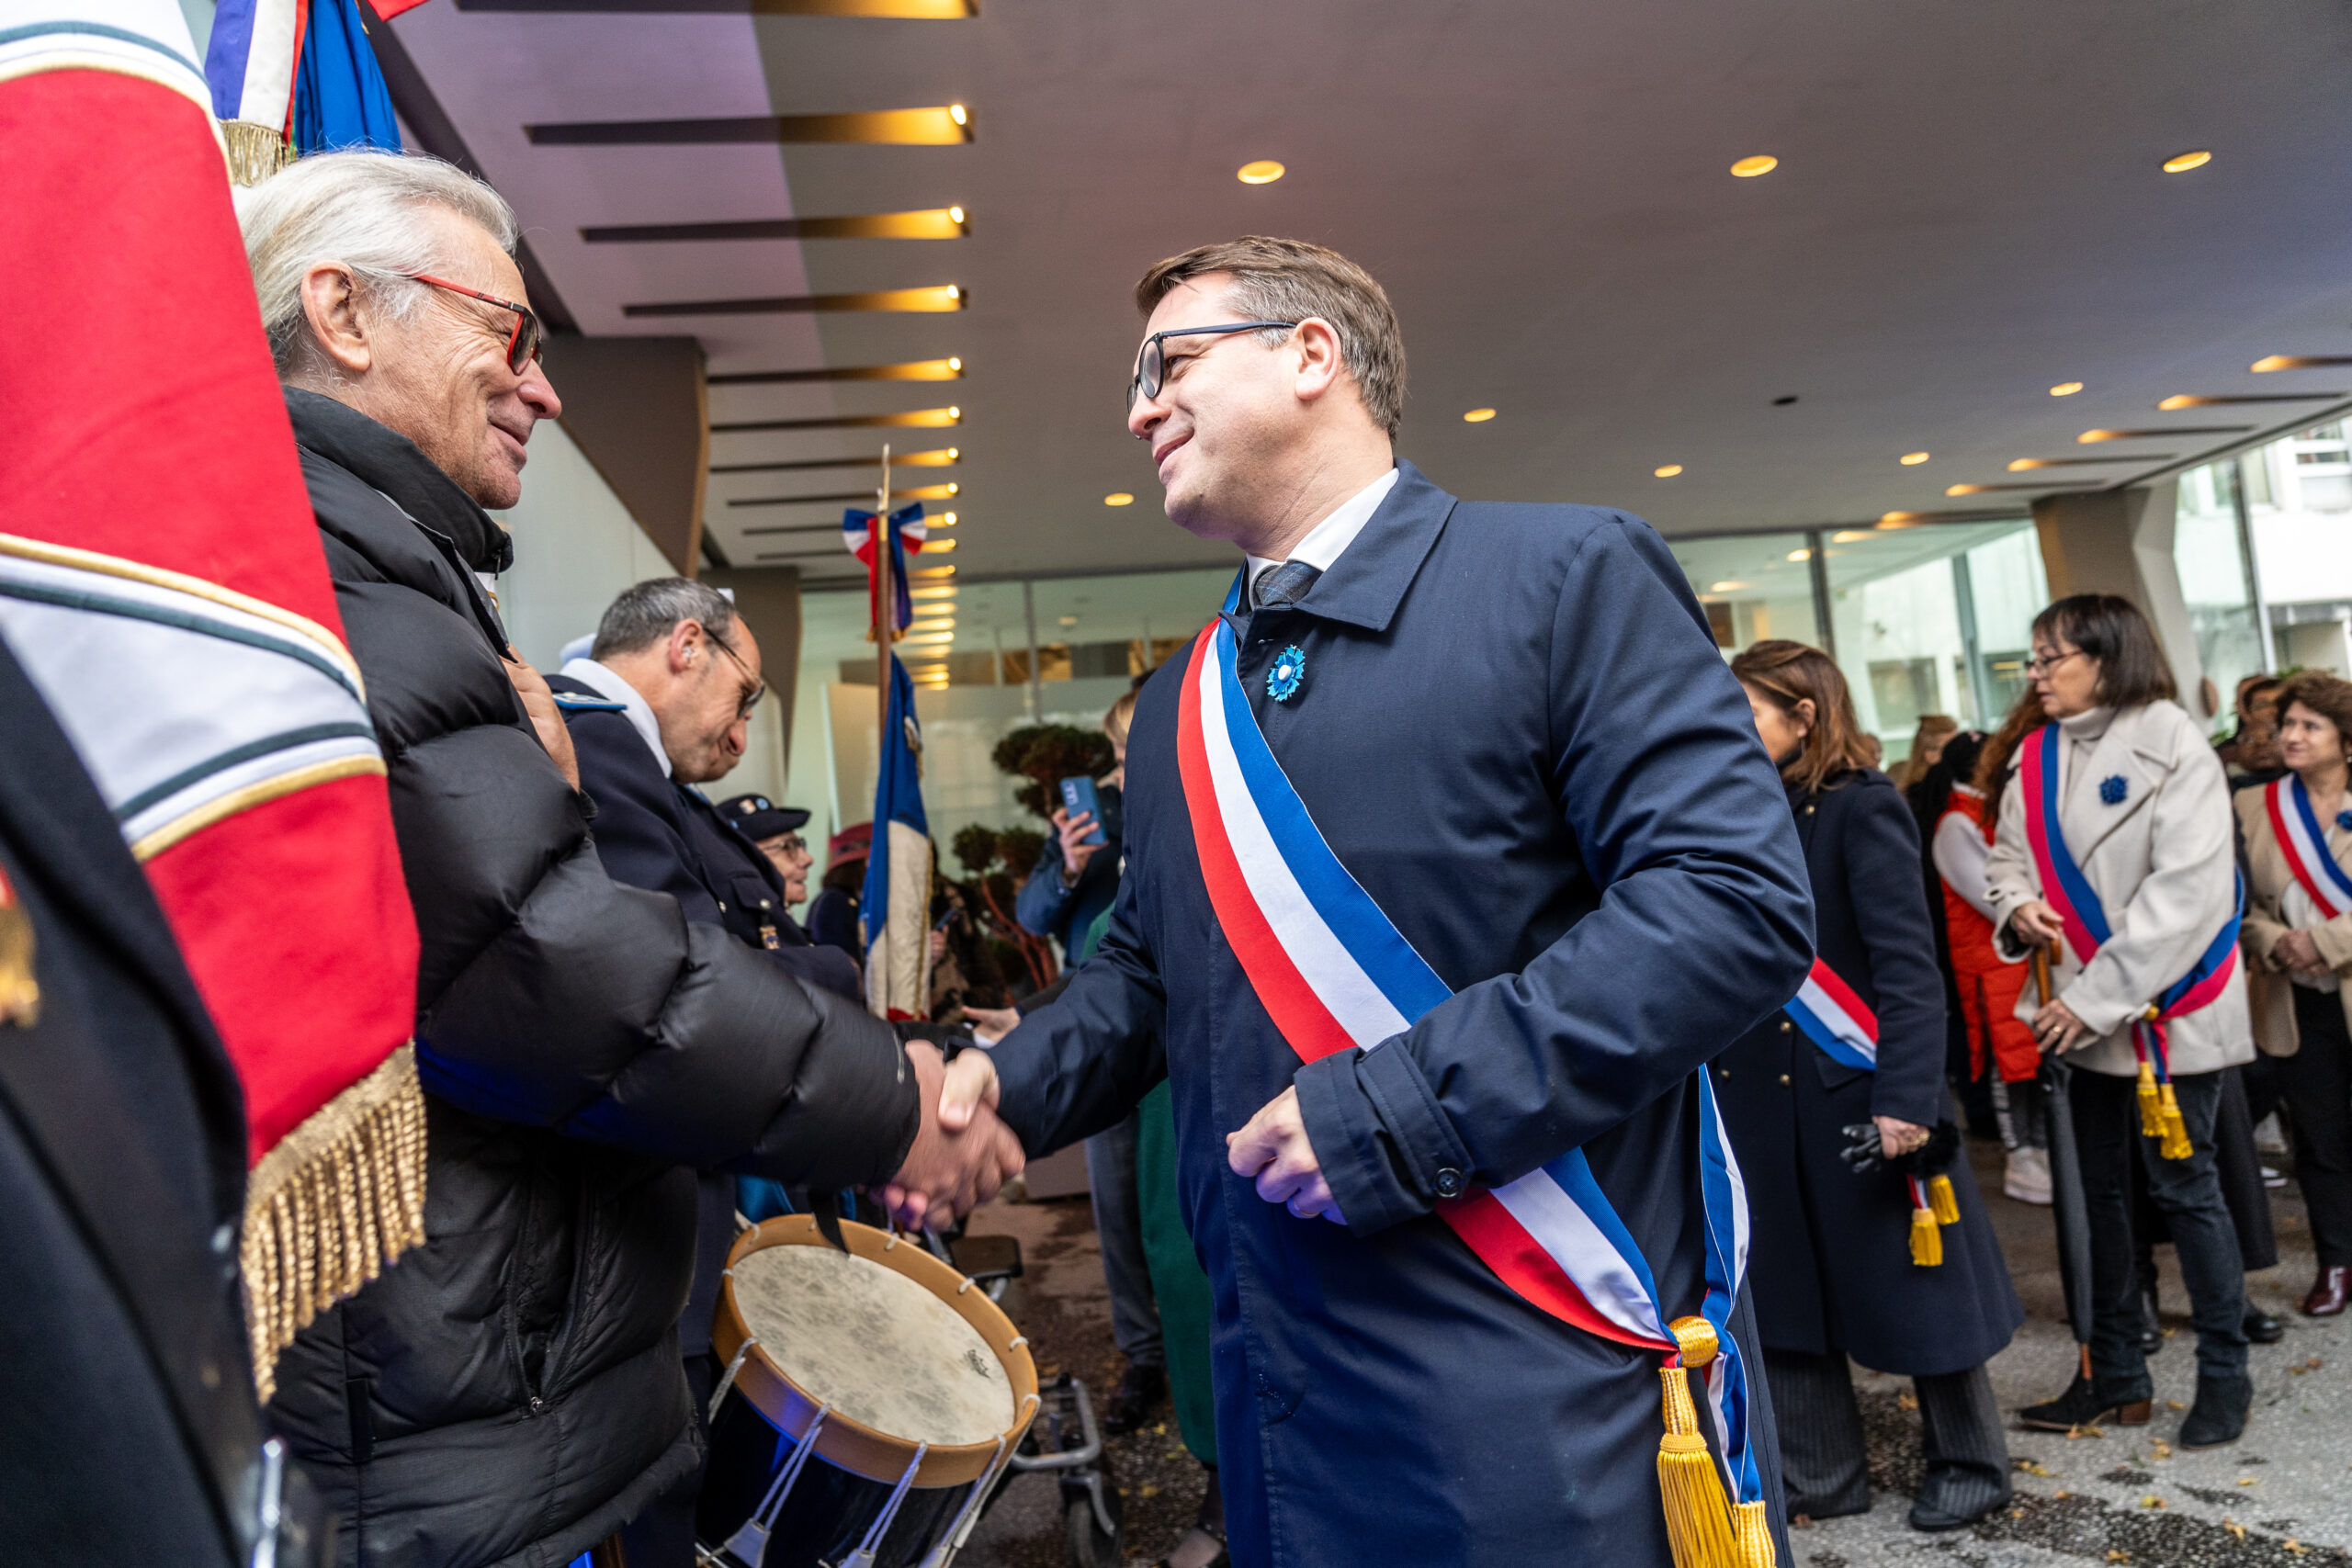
[(1830, 1261), (1516, 732)]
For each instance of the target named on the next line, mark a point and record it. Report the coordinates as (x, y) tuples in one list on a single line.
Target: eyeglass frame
[(744, 705), (2038, 665), (1151, 349), (529, 338)]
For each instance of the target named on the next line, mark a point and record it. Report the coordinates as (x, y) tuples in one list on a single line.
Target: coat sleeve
[(2260, 931), (1704, 923), (638, 834), (2182, 900), (1960, 852), (1080, 1062), (1884, 890), (1044, 897)]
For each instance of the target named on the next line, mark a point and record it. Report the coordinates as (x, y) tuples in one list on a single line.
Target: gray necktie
[(1283, 586)]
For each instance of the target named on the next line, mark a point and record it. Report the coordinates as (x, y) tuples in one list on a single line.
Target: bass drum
[(872, 1400)]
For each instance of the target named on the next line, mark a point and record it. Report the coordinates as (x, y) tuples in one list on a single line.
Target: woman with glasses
[(1868, 1237), (2115, 854)]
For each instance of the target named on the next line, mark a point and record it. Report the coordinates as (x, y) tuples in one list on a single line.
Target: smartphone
[(1078, 795)]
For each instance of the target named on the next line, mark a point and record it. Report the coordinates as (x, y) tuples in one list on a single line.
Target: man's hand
[(2056, 1029), (1275, 1151), (1074, 855), (2298, 952), (992, 1024), (545, 717), (962, 1153), (2036, 924), (1898, 1137)]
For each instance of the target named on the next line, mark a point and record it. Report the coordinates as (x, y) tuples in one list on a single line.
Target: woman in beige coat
[(2298, 940), (2142, 810)]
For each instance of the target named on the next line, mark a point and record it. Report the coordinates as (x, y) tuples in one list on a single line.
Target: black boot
[(2262, 1328), (2085, 1404), (2219, 1414), (1140, 1389), (2152, 1330)]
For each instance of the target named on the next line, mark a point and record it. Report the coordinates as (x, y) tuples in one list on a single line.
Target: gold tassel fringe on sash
[(2172, 1127), (342, 1196), (1943, 1199), (1701, 1525), (2152, 1114), (1927, 1239), (256, 152)]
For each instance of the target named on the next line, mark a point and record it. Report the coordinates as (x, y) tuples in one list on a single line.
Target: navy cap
[(759, 818)]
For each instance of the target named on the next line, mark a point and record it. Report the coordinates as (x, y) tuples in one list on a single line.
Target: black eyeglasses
[(1152, 363), (522, 344), (759, 687)]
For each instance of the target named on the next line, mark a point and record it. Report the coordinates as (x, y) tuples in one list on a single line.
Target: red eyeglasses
[(525, 344)]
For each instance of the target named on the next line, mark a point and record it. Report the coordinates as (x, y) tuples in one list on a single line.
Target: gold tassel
[(1698, 1515), (1927, 1241), (256, 152), (1755, 1532), (340, 1197), (2151, 1123), (1943, 1199), (2176, 1145)]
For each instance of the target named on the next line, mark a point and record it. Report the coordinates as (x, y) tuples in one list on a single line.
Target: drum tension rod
[(751, 1544), (863, 1556)]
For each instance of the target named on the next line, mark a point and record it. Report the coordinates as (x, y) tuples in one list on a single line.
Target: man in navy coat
[(1511, 725)]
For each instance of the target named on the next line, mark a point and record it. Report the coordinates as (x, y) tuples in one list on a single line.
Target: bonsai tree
[(1046, 754)]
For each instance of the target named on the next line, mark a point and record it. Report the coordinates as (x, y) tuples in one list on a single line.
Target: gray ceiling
[(1969, 208)]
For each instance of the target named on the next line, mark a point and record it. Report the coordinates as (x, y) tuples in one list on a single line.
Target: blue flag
[(896, 906)]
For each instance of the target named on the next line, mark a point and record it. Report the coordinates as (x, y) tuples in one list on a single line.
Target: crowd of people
[(1412, 1185)]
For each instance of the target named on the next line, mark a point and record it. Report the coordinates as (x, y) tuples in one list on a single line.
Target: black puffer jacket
[(511, 1392)]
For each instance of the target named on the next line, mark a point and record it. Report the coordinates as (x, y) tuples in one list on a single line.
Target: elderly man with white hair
[(511, 1391)]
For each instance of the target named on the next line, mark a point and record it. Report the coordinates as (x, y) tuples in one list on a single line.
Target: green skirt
[(1176, 1277)]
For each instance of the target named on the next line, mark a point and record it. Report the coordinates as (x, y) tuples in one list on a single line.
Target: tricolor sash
[(2304, 843), (2084, 920), (1833, 1016), (1334, 972)]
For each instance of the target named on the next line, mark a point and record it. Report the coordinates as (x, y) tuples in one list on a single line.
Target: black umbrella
[(2067, 1204)]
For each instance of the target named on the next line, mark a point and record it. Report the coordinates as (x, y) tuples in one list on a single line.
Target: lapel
[(1368, 582), (2088, 820)]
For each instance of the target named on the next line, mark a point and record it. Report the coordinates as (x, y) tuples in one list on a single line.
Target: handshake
[(962, 1153)]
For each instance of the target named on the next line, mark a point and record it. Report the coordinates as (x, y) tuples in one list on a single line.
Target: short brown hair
[(1787, 673), (2110, 628), (1290, 280), (2324, 695), (1122, 714)]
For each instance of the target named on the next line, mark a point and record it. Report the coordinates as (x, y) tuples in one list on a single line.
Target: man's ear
[(680, 648), (1320, 366), (338, 323)]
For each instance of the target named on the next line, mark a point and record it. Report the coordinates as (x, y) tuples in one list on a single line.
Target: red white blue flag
[(909, 533)]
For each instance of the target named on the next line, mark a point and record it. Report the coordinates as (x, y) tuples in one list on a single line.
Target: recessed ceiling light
[(1900, 519), (1118, 498), (1761, 164), (1848, 536), (931, 545), (2181, 162), (945, 519), (1070, 620), (957, 365), (1264, 172), (1478, 416), (2065, 389), (931, 571), (1668, 471), (1913, 460), (1799, 555), (955, 215), (954, 292), (956, 112), (954, 414), (1966, 490), (1726, 587)]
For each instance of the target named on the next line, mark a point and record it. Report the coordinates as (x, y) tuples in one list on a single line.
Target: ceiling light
[(956, 112), (1799, 555), (1726, 587), (955, 215), (1264, 172), (2180, 400), (1070, 620), (2181, 162), (930, 592), (1900, 519), (2065, 389), (931, 571), (956, 364), (954, 292), (1668, 471), (1913, 460), (1761, 164), (931, 547), (1118, 498), (954, 414), (1966, 490), (1478, 416), (945, 519)]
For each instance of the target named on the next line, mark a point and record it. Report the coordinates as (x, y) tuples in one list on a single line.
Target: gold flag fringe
[(342, 1196), (256, 152)]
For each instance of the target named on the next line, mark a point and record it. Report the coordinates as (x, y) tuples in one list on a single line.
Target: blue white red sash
[(2084, 918), (1334, 973), (2304, 843), (1834, 1018)]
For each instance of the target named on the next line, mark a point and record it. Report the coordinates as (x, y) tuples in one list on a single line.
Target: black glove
[(1865, 1152), (1862, 1151)]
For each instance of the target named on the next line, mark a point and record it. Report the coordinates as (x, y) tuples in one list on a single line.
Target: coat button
[(1784, 1080), (1448, 1183), (1808, 811), (1786, 1026)]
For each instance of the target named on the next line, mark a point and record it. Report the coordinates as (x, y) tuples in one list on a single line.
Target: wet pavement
[(2281, 1498)]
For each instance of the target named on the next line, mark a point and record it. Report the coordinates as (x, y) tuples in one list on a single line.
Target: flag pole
[(885, 602)]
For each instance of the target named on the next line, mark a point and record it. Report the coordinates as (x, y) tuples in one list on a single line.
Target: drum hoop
[(843, 1442)]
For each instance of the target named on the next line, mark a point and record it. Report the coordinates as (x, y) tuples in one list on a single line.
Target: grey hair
[(359, 209), (645, 613)]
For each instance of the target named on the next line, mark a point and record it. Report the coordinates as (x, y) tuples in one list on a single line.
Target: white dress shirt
[(612, 688), (1335, 533)]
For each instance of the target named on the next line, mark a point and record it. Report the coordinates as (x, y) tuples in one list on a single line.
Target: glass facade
[(2208, 551), (2298, 497)]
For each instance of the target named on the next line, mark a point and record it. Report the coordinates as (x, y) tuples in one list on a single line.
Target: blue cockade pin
[(1290, 669), (2343, 820), (2113, 789)]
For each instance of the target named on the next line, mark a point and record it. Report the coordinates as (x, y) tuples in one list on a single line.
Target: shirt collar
[(611, 687), (1335, 533)]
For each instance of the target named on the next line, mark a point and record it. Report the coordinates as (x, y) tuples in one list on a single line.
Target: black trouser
[(2187, 1192), (1824, 1467), (663, 1536), (2316, 1085)]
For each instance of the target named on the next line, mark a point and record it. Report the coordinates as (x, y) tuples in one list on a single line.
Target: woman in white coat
[(2116, 849)]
